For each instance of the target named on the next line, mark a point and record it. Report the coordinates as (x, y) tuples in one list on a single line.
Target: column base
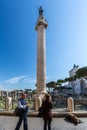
[(38, 99)]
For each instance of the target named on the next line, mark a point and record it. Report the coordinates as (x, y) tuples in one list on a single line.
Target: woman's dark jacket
[(47, 106)]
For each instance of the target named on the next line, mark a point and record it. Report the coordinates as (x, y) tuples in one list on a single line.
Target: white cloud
[(29, 80), (3, 87), (25, 78), (15, 80)]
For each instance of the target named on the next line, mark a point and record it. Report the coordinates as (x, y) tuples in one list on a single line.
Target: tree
[(82, 72), (60, 81), (59, 84), (50, 85), (71, 80)]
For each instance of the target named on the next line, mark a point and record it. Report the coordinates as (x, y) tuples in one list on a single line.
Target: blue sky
[(66, 40)]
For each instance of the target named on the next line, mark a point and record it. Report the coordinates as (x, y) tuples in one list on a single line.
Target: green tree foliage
[(69, 79), (60, 81), (50, 85), (82, 72)]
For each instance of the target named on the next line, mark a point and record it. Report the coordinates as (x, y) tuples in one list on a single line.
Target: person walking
[(23, 106), (47, 116)]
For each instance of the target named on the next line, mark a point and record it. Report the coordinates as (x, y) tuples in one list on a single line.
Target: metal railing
[(14, 104), (58, 105)]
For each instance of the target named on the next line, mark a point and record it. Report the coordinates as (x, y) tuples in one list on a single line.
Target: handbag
[(41, 112), (17, 111)]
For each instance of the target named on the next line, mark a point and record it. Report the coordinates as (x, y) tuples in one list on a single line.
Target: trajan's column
[(40, 27)]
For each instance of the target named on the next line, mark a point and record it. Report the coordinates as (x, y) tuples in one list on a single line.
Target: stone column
[(8, 103), (41, 54), (40, 27), (70, 104)]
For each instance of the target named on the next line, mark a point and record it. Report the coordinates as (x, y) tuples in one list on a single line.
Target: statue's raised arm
[(40, 11)]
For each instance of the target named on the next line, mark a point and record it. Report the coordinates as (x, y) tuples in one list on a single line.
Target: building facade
[(79, 85)]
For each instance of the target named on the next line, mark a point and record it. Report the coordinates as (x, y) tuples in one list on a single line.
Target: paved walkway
[(9, 123), (64, 125)]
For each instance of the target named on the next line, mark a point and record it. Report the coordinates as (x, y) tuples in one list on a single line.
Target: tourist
[(47, 117), (23, 112)]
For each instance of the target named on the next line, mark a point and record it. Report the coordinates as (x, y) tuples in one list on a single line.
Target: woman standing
[(47, 117)]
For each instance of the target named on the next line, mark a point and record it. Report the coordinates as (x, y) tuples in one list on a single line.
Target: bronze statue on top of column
[(40, 11)]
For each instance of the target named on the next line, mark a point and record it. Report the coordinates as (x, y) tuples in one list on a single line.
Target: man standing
[(23, 106)]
